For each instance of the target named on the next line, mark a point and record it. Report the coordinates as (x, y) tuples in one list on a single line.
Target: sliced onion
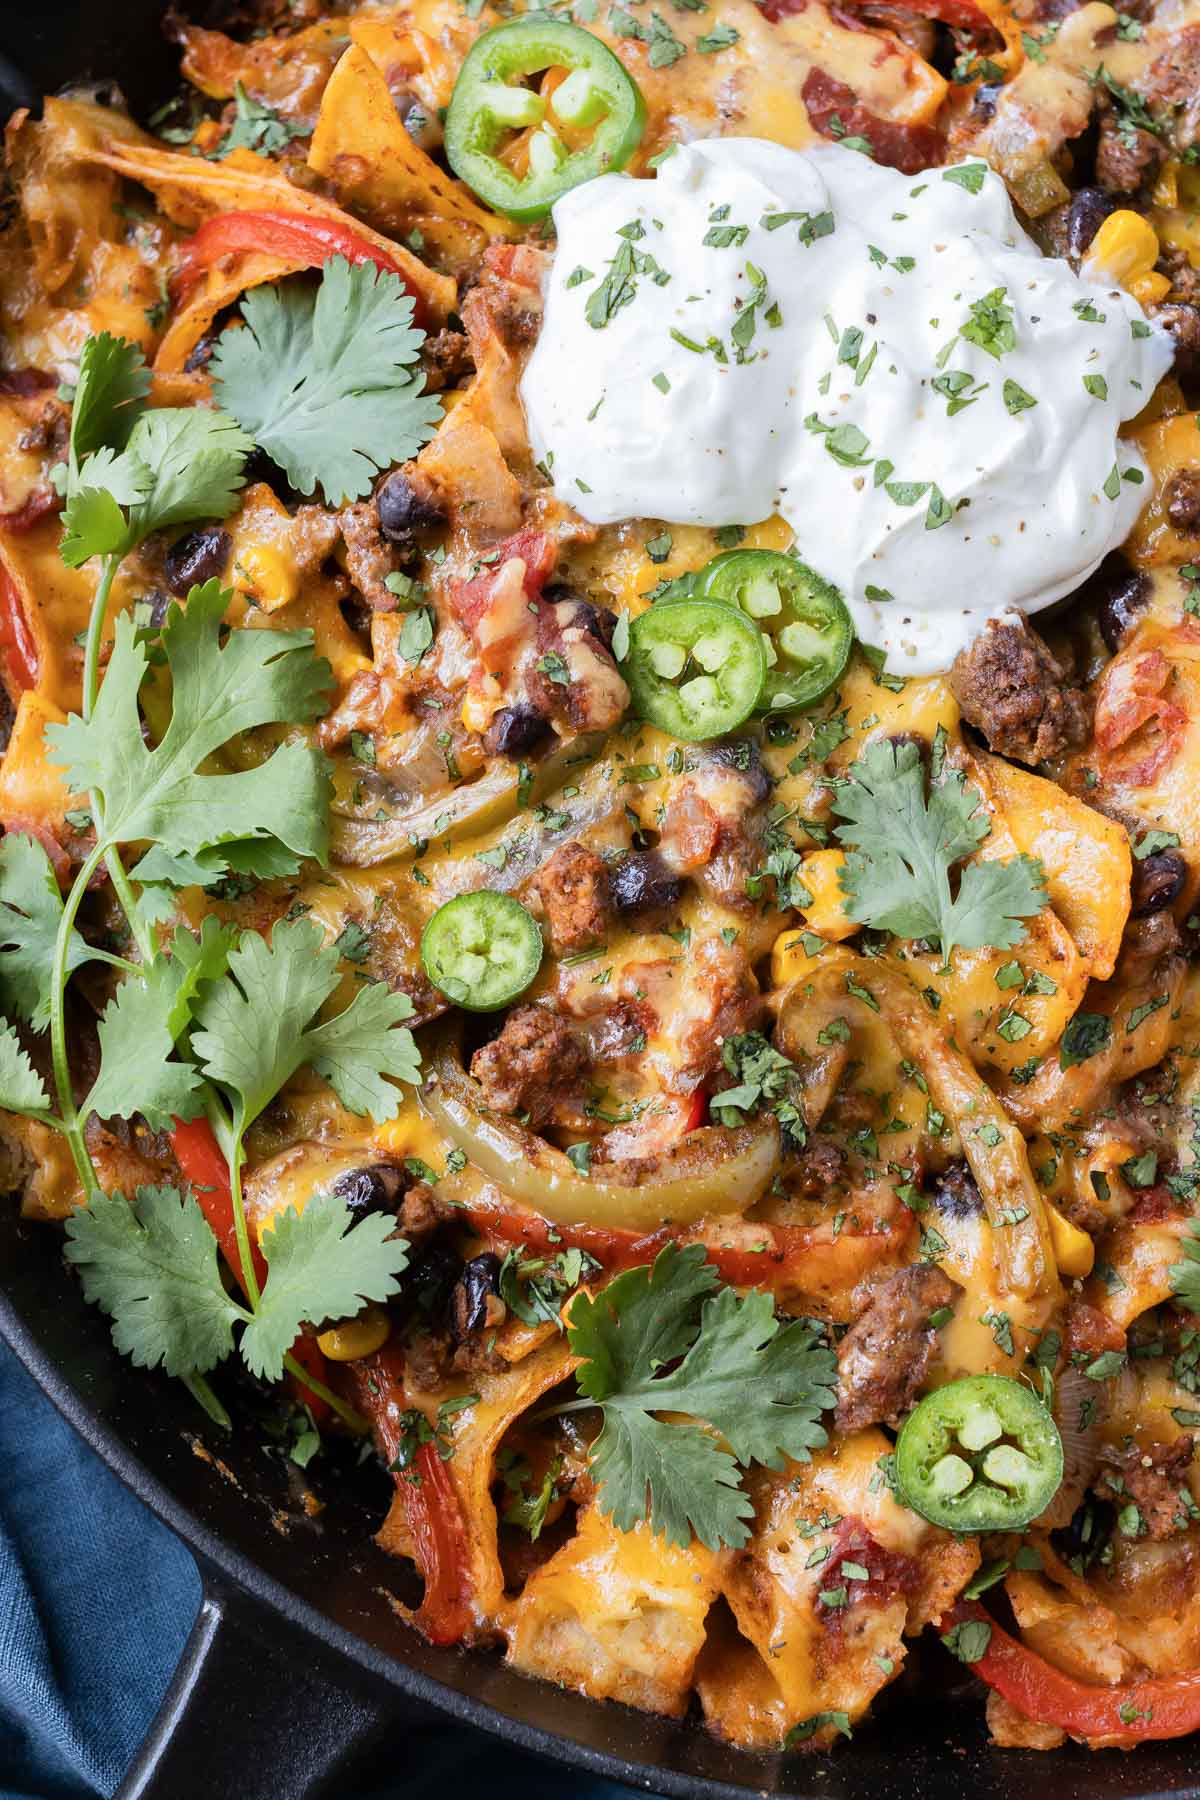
[(714, 1170), (1080, 1442)]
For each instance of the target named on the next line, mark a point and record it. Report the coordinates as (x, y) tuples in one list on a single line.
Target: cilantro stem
[(115, 962), (249, 1278), (72, 1128), (198, 1387), (347, 1414), (142, 933), (95, 633)]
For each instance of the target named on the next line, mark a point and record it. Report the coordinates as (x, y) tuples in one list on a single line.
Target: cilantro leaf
[(326, 382), (22, 1089), (263, 858), (195, 456), (93, 525), (761, 1388), (321, 1266), (219, 690), (691, 1484), (256, 127), (136, 1073), (1184, 1276), (152, 1267), (109, 395), (256, 1031), (760, 1071), (180, 465), (30, 910), (901, 849)]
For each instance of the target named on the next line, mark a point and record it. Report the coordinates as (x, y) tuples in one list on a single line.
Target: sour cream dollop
[(886, 360)]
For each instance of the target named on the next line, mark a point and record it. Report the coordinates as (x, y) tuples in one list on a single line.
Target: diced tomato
[(960, 15), (834, 110), (536, 549), (1127, 1713), (1131, 698), (22, 384), (18, 652), (889, 1572)]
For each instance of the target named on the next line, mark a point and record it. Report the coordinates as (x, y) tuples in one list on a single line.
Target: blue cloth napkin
[(96, 1602)]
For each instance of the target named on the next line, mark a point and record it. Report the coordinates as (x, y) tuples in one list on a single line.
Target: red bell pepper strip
[(908, 148), (295, 236), (786, 1248), (1131, 1712), (428, 1496), (203, 1164), (18, 652)]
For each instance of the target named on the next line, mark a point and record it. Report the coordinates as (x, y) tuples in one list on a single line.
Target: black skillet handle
[(260, 1710)]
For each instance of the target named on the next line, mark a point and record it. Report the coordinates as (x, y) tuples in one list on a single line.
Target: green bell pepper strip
[(980, 1454), (805, 619), (490, 100), (695, 668), (481, 950)]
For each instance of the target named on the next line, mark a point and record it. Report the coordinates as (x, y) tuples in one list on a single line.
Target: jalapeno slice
[(590, 123), (481, 950), (695, 668), (981, 1454), (809, 631)]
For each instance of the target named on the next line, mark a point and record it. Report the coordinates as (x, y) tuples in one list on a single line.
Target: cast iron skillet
[(297, 1666)]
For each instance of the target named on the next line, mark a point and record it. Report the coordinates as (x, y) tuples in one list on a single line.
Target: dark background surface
[(275, 1702)]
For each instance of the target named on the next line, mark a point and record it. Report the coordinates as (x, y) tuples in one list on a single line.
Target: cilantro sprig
[(213, 1024), (901, 848), (671, 1339)]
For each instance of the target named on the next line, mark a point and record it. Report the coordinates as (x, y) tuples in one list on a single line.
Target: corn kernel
[(827, 913), (355, 1338), (1074, 1251), (265, 573), (789, 959), (1125, 248), (1149, 289), (481, 704), (1166, 188)]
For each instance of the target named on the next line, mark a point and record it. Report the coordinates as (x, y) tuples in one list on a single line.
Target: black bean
[(1090, 206), (515, 729), (1121, 595), (983, 104), (200, 353), (374, 1188), (742, 754), (402, 509), (597, 620), (955, 1192), (1157, 882), (640, 881), (198, 556), (426, 1284), (468, 1309)]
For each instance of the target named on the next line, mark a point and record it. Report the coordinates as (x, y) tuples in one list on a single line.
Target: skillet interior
[(327, 1577)]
